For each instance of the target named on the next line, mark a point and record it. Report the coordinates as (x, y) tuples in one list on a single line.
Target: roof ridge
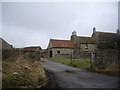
[(31, 46), (106, 32), (84, 37), (60, 40)]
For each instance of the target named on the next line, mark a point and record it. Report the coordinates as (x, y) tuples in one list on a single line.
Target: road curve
[(80, 78)]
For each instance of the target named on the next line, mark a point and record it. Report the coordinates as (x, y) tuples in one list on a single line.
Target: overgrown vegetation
[(79, 63), (22, 72)]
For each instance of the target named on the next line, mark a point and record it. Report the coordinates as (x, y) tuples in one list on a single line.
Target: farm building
[(60, 48)]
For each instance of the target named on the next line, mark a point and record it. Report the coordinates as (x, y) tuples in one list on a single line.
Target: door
[(50, 53)]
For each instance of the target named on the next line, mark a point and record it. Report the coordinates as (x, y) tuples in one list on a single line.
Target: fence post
[(71, 59), (92, 59)]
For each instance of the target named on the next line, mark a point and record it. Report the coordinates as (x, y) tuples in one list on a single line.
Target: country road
[(79, 78)]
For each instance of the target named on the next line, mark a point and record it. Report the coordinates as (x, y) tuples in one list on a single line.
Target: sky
[(35, 23), (119, 15)]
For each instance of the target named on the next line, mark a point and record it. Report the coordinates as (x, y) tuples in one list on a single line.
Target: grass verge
[(79, 63), (112, 69), (23, 73)]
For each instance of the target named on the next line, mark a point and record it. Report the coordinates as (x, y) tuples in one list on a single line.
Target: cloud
[(35, 23)]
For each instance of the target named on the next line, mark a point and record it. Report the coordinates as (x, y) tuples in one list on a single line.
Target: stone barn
[(33, 52), (44, 53), (32, 48), (60, 48)]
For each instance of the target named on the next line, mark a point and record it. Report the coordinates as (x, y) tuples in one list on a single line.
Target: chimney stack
[(74, 33), (94, 29), (118, 31)]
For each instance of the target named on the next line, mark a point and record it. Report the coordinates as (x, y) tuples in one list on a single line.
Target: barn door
[(50, 53)]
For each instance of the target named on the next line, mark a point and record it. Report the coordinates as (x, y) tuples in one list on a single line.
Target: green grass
[(79, 63), (83, 63)]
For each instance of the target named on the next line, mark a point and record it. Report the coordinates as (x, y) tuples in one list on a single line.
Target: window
[(58, 52), (86, 46)]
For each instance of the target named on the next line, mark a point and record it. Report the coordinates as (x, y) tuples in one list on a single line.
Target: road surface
[(79, 78)]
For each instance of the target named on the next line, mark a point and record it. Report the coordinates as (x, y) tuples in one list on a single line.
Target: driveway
[(78, 78)]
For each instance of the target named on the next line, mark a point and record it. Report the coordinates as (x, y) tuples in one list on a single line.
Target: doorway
[(50, 54)]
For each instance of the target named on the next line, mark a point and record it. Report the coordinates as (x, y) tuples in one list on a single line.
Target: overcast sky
[(28, 24)]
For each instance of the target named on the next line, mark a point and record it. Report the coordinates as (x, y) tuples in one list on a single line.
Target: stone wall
[(91, 47), (8, 53), (32, 54), (6, 50), (103, 58), (5, 45), (63, 52), (63, 55), (82, 54)]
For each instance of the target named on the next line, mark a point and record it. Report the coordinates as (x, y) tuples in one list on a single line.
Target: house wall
[(95, 36), (50, 44), (74, 39), (91, 47), (62, 51)]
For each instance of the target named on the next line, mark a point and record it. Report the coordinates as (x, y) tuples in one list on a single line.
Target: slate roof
[(86, 40), (61, 43), (106, 36)]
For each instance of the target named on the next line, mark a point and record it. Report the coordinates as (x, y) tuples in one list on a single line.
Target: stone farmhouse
[(64, 48), (78, 44), (87, 44), (107, 48), (58, 48), (106, 40)]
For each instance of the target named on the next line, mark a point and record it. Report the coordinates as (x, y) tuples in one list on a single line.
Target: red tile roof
[(61, 43), (32, 48)]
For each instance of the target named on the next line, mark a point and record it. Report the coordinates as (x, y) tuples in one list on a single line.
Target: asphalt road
[(79, 78)]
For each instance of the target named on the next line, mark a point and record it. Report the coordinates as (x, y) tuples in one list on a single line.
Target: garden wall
[(103, 58)]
